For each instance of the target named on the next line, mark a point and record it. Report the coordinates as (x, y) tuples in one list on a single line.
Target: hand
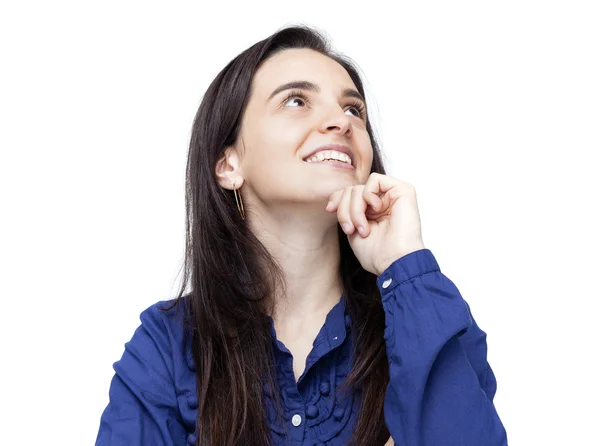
[(381, 219)]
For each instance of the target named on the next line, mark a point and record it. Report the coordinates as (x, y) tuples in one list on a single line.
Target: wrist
[(385, 263)]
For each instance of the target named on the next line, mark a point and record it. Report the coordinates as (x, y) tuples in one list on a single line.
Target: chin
[(326, 188)]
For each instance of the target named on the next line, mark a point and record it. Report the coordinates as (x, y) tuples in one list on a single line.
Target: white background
[(491, 109)]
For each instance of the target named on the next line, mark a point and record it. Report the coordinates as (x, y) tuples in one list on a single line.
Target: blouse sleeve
[(441, 386), (142, 408)]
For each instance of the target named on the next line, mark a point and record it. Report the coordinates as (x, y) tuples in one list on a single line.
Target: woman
[(315, 313)]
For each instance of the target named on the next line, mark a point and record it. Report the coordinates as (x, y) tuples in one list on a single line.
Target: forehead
[(300, 64)]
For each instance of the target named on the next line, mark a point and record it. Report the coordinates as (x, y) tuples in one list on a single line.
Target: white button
[(386, 283), (296, 420)]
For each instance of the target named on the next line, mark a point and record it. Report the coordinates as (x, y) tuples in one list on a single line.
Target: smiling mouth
[(330, 156), (333, 163)]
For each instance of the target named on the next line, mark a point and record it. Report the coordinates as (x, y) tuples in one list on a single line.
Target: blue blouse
[(440, 392)]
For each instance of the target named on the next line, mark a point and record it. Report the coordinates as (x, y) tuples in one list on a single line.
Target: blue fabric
[(440, 392)]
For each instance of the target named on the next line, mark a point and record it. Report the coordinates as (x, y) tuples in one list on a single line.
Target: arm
[(142, 410), (441, 387), (473, 341)]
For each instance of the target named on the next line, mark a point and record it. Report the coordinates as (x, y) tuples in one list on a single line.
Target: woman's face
[(279, 131)]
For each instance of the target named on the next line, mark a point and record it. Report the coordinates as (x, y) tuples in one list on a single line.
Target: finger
[(374, 202), (387, 189), (380, 184), (357, 211), (343, 211), (334, 200)]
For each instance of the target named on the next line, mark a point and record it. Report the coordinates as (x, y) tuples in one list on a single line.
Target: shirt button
[(324, 388), (338, 413), (312, 411), (386, 283), (192, 402), (296, 420)]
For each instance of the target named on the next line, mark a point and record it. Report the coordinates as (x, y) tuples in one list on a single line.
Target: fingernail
[(361, 230), (346, 227), (328, 205)]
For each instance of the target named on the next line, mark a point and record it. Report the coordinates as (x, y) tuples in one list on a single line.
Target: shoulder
[(162, 334), (166, 315)]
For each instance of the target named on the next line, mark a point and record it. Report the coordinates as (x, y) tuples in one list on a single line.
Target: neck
[(307, 249)]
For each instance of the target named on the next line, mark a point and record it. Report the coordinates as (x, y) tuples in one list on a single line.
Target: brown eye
[(293, 98), (295, 95), (357, 112), (360, 110)]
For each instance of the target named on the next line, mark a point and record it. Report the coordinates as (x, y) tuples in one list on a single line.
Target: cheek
[(278, 140), (271, 144), (366, 154)]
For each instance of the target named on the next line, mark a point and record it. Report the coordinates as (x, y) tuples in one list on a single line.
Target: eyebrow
[(306, 85)]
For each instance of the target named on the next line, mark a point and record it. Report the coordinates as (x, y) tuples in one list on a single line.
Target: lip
[(338, 147)]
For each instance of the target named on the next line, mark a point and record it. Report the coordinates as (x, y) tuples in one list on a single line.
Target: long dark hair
[(232, 276)]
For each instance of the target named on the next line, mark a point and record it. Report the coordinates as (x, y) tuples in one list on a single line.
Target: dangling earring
[(239, 202)]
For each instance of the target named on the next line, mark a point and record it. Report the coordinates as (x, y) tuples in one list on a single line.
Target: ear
[(228, 170)]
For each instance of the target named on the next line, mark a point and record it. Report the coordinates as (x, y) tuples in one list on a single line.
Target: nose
[(337, 121)]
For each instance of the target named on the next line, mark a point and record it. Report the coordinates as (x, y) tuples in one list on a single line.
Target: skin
[(284, 197)]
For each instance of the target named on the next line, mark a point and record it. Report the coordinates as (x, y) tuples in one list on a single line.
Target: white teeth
[(329, 154)]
